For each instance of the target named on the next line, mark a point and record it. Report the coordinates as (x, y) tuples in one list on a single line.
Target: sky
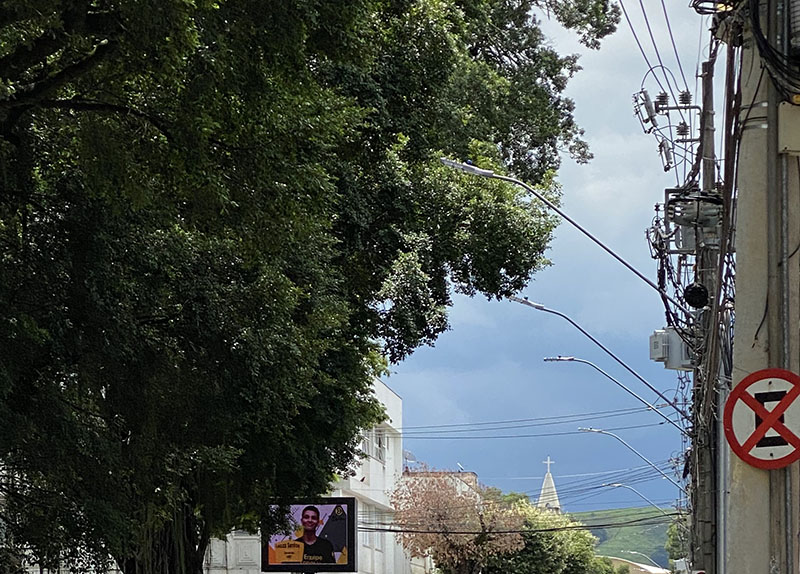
[(489, 367)]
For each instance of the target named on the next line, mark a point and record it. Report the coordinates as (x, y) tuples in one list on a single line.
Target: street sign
[(762, 419)]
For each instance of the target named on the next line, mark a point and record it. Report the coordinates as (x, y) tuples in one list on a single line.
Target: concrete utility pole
[(763, 505)]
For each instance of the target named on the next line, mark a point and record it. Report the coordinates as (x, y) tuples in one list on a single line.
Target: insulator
[(662, 99), (682, 129), (648, 106), (666, 154), (685, 98)]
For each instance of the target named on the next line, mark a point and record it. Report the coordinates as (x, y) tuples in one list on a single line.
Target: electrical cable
[(517, 436), (655, 49), (638, 43), (781, 67), (567, 419), (527, 420), (674, 48)]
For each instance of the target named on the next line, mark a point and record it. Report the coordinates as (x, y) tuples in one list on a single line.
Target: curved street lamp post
[(471, 169), (540, 307), (637, 453), (652, 407)]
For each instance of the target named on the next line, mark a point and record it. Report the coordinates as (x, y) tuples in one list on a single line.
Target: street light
[(653, 562), (471, 169), (680, 523), (540, 307), (642, 496), (636, 452), (652, 407)]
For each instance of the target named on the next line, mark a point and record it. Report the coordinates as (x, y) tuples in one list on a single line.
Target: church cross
[(548, 462)]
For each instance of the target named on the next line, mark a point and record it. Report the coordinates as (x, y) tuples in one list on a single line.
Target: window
[(365, 533), (380, 445), (374, 444), (366, 443), (377, 523)]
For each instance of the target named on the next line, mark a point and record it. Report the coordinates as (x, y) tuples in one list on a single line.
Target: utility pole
[(704, 513), (763, 505)]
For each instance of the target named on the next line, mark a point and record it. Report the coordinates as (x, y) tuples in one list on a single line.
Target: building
[(548, 497), (374, 478)]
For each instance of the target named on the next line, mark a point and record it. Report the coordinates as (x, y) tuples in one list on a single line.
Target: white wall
[(372, 483)]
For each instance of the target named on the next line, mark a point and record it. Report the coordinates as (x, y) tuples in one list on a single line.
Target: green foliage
[(554, 544), (217, 217), (677, 544), (603, 565), (646, 533)]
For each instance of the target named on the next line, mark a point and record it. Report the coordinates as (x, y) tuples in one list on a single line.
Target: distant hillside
[(629, 529)]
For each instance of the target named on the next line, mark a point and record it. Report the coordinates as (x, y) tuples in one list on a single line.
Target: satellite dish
[(408, 456)]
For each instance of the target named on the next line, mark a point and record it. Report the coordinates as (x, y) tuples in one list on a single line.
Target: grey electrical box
[(667, 346), (788, 138)]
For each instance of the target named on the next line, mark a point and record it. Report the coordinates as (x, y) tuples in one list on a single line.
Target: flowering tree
[(445, 515)]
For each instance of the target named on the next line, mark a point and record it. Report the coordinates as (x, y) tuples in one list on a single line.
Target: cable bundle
[(782, 68)]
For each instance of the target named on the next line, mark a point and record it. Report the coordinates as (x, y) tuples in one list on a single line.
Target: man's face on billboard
[(309, 520)]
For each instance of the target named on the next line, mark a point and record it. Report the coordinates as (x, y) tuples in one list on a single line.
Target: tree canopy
[(553, 544), (446, 516), (468, 529), (217, 217)]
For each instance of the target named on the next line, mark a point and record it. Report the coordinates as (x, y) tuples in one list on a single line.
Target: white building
[(379, 552), (375, 478), (548, 497)]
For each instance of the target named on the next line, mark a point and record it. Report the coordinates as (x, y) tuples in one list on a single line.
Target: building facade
[(371, 484)]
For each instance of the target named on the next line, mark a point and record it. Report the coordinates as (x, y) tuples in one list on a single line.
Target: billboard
[(321, 538)]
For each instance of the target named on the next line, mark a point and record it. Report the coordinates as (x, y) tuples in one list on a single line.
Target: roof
[(548, 497)]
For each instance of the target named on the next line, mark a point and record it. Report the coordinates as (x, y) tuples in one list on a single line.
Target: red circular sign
[(765, 437)]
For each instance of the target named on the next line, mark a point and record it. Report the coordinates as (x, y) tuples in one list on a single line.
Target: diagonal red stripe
[(770, 419), (761, 429)]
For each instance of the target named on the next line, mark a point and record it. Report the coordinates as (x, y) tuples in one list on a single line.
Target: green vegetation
[(476, 529), (646, 533)]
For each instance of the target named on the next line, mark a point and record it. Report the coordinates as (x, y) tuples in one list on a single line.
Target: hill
[(624, 532)]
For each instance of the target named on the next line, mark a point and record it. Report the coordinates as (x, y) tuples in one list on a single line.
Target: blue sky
[(489, 366)]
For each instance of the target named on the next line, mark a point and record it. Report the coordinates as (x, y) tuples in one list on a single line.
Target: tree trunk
[(174, 547)]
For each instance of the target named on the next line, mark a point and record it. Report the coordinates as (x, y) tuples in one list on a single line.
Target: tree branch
[(38, 91), (104, 107)]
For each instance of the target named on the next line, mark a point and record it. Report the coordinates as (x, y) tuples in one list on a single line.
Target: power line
[(645, 521), (674, 48), (509, 421), (516, 436)]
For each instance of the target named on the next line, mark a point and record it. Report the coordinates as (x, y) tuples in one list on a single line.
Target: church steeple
[(548, 497)]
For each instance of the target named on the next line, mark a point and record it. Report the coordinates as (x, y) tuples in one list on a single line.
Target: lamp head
[(525, 301), (466, 167)]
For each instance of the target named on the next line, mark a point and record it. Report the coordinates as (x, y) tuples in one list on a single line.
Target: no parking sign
[(762, 419)]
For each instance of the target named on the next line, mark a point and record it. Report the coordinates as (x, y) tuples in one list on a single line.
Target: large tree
[(450, 518), (553, 544), (466, 528), (217, 218)]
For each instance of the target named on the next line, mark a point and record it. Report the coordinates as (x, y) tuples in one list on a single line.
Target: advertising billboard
[(321, 538)]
